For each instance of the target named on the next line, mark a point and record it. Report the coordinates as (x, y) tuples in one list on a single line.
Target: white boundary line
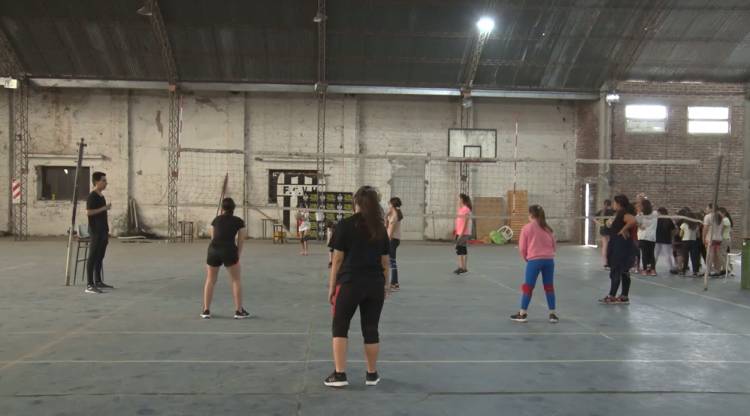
[(417, 362), (728, 302), (17, 266), (571, 318), (394, 334)]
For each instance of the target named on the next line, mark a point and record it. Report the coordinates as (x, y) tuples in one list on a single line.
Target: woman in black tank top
[(227, 239), (620, 251)]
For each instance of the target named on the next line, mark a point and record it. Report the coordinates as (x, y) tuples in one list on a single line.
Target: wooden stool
[(83, 240), (264, 226), (279, 234)]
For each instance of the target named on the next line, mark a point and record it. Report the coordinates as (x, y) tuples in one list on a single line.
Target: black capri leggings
[(369, 296)]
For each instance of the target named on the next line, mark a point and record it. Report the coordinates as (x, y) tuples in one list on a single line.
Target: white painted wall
[(117, 125)]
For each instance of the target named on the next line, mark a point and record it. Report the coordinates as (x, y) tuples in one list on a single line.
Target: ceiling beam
[(153, 12), (308, 88)]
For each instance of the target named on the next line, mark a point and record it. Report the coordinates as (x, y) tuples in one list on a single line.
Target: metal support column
[(746, 168), (173, 168), (21, 160), (153, 12), (605, 116), (321, 90)]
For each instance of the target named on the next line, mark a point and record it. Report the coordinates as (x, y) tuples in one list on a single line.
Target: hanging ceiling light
[(485, 25)]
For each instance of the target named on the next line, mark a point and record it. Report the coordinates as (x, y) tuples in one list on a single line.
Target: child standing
[(463, 231), (689, 231), (665, 230), (537, 246), (647, 221)]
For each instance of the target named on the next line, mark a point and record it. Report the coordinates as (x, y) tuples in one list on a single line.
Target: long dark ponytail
[(466, 200), (368, 202), (537, 212), (396, 204)]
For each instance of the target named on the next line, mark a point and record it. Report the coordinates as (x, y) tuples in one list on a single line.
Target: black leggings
[(369, 296), (94, 264), (617, 274), (647, 254), (694, 252), (392, 255)]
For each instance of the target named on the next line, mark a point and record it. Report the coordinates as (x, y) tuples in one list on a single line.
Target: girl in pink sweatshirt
[(537, 246)]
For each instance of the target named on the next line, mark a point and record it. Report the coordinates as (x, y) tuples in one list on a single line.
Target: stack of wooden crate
[(518, 211), (488, 209)]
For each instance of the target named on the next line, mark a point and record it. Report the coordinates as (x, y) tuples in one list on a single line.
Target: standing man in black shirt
[(96, 210)]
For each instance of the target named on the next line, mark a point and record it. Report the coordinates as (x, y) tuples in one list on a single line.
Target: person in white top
[(303, 227), (393, 225), (713, 235), (647, 221), (726, 239), (689, 236)]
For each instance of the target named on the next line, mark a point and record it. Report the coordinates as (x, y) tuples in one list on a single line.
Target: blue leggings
[(533, 268)]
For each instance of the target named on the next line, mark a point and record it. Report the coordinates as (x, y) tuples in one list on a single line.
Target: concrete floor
[(448, 347)]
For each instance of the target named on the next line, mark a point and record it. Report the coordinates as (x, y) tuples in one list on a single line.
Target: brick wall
[(677, 186)]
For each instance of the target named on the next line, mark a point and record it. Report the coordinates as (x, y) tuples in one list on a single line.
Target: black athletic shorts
[(222, 254)]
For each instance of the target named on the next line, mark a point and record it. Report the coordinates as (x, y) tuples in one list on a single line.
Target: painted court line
[(17, 266), (571, 318), (417, 362), (402, 333), (689, 292)]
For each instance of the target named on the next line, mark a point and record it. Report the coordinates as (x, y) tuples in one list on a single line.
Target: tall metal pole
[(173, 173), (21, 158), (81, 145), (709, 253)]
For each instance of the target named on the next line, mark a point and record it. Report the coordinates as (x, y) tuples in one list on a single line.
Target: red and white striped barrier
[(16, 191)]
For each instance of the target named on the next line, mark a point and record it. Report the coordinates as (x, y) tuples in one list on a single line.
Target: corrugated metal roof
[(537, 44)]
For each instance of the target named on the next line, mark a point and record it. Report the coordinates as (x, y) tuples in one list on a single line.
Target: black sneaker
[(92, 289), (520, 317), (462, 271), (457, 271), (206, 314), (372, 379), (553, 319), (336, 380), (102, 285), (242, 314)]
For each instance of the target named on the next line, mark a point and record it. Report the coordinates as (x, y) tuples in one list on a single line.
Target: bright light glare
[(587, 212), (646, 112), (485, 25), (708, 113)]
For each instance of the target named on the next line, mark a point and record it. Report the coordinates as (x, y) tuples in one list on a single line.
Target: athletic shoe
[(206, 314), (372, 379), (241, 314), (623, 300), (457, 271), (102, 285), (462, 271), (553, 319), (336, 380), (520, 317), (609, 300), (92, 289)]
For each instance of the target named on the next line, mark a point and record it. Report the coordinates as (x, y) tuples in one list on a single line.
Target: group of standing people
[(681, 242)]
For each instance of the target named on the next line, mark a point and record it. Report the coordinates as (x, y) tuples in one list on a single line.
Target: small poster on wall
[(286, 187), (340, 202)]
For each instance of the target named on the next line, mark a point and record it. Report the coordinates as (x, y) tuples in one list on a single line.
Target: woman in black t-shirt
[(358, 279), (225, 229)]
